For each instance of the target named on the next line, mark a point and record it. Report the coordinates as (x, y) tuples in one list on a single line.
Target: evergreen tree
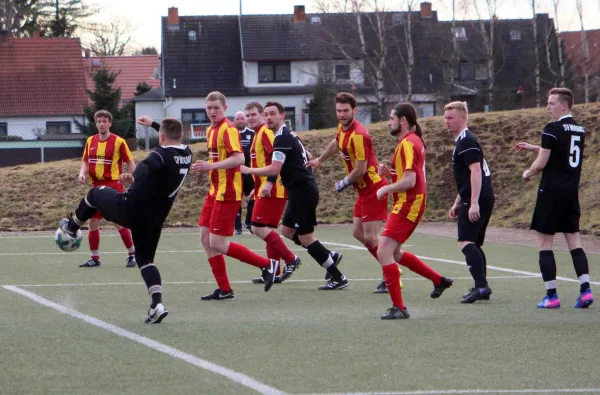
[(149, 51), (105, 97), (321, 111)]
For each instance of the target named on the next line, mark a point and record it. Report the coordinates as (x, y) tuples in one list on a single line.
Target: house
[(285, 57), (132, 71), (42, 85), (574, 51)]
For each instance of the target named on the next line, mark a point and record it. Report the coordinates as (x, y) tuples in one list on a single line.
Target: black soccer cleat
[(219, 295), (260, 280), (438, 290), (337, 259), (332, 284), (290, 268), (156, 314), (130, 261), (90, 263), (64, 226), (381, 288), (238, 232), (268, 273), (477, 294), (471, 291), (395, 313)]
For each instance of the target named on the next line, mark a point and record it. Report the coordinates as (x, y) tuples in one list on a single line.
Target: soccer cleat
[(477, 294), (337, 259), (130, 261), (381, 288), (584, 300), (260, 280), (395, 313), (549, 302), (64, 226), (290, 268), (219, 295), (268, 273), (473, 289), (438, 290), (332, 284), (238, 232), (90, 263), (157, 314)]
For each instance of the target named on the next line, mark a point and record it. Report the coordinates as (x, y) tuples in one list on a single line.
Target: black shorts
[(301, 209), (119, 208), (247, 184), (474, 231), (556, 214)]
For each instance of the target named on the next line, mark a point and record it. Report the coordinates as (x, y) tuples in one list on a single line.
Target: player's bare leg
[(128, 242)]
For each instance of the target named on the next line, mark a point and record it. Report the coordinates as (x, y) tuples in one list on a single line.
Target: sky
[(145, 15)]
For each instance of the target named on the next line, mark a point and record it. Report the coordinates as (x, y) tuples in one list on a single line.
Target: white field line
[(246, 282), (236, 377), (498, 268), (459, 392), (48, 236)]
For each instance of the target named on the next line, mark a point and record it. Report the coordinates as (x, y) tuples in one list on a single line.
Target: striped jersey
[(223, 140), (410, 155), (356, 144), (105, 158), (261, 153)]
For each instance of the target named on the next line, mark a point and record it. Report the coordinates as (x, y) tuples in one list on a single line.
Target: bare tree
[(586, 53), (409, 64), (111, 39), (560, 73), (536, 70)]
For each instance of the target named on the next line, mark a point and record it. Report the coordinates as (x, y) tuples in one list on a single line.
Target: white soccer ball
[(66, 242)]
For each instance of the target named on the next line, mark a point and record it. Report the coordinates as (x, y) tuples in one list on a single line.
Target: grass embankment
[(34, 197)]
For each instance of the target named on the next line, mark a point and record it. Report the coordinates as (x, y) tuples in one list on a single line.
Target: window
[(3, 129), (481, 71), (515, 35), (192, 35), (290, 115), (342, 72), (397, 19), (274, 72), (459, 33), (58, 128), (190, 116), (467, 72)]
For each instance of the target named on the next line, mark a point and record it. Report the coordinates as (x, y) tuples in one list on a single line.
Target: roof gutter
[(241, 44)]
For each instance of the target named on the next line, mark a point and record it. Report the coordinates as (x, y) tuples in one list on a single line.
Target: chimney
[(4, 36), (36, 34), (299, 14), (426, 10), (173, 19)]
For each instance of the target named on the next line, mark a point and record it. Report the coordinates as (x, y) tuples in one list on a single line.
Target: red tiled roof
[(573, 50), (41, 77), (133, 70)]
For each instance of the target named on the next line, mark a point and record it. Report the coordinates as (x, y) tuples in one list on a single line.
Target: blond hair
[(215, 95), (458, 106)]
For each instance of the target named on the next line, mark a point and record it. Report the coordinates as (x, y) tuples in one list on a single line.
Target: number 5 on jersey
[(575, 151)]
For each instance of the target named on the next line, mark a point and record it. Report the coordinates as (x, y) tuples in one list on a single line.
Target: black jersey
[(466, 152), (159, 177), (566, 139), (293, 171), (246, 138)]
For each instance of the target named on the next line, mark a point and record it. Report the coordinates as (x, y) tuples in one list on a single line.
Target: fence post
[(147, 143), (42, 153)]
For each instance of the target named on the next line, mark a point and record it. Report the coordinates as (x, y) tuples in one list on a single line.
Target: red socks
[(414, 264), (94, 240), (274, 240), (373, 251), (272, 254), (217, 264), (127, 240), (242, 253), (391, 273)]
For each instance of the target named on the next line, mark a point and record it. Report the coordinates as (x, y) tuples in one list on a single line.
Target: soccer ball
[(66, 242)]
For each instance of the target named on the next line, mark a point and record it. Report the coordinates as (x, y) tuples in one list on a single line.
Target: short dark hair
[(564, 95), (217, 96), (345, 98), (254, 104), (408, 111), (103, 114), (172, 128), (275, 104)]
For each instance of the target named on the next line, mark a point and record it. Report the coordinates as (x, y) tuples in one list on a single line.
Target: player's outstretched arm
[(332, 149), (404, 184), (384, 170), (272, 170), (236, 159), (523, 146), (126, 179), (538, 165)]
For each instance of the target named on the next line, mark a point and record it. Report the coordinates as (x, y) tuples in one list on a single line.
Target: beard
[(394, 132)]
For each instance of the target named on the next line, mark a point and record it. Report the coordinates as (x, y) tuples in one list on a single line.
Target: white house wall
[(29, 128)]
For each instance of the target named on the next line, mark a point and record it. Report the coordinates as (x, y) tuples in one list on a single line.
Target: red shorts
[(109, 183), (368, 208), (219, 216), (399, 228), (268, 211)]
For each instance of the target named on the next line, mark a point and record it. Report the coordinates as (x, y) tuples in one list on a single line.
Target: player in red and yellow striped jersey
[(102, 163), (270, 194), (224, 198), (409, 190), (354, 144)]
